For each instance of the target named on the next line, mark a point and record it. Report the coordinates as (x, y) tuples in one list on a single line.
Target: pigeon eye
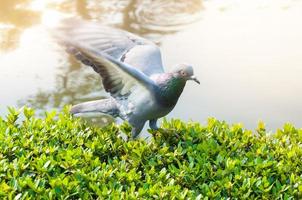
[(183, 73)]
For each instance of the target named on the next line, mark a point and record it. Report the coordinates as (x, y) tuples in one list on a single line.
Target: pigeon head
[(185, 72)]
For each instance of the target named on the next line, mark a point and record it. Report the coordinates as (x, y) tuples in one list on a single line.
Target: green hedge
[(60, 157)]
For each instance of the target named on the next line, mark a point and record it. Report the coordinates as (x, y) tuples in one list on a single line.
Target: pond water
[(246, 53)]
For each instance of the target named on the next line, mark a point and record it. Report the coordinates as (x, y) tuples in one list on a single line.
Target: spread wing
[(119, 79), (123, 46)]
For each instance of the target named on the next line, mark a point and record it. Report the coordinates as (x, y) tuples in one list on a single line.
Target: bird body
[(131, 71)]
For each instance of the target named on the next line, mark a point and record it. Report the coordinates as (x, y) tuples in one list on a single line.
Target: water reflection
[(15, 16), (72, 82), (146, 18), (247, 54), (72, 85)]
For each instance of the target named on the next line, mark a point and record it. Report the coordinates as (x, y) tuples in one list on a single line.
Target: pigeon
[(131, 70)]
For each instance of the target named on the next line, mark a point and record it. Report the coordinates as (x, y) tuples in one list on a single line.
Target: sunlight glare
[(51, 18), (38, 5)]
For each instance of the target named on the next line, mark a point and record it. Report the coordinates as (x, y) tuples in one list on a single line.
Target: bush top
[(60, 157)]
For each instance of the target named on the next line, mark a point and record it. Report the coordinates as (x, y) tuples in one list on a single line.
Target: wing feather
[(119, 79), (123, 46)]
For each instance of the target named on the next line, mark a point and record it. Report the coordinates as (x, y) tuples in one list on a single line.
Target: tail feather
[(106, 106)]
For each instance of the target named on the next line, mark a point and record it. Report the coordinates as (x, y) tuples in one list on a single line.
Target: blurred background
[(246, 53)]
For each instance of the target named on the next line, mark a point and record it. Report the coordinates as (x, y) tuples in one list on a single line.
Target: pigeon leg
[(136, 129), (153, 124)]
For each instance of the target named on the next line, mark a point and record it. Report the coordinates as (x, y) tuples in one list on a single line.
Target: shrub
[(60, 157)]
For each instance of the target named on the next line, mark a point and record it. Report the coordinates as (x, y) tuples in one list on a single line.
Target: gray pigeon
[(131, 71)]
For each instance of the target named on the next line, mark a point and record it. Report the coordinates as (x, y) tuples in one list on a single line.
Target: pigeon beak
[(193, 78)]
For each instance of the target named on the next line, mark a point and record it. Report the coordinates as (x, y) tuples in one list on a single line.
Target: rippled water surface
[(246, 53)]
